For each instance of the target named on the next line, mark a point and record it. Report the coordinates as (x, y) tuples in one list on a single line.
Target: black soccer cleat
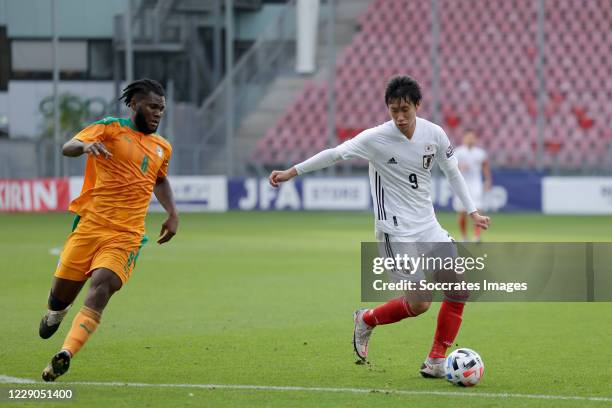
[(51, 321), (58, 366), (45, 330)]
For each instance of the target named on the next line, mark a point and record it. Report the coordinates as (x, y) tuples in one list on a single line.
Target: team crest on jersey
[(427, 161), (160, 152), (450, 151)]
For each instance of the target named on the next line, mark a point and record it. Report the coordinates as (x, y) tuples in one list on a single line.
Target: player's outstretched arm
[(450, 169), (319, 161), (163, 192), (75, 148)]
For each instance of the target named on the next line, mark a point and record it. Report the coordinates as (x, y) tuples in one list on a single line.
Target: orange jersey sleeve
[(167, 153), (92, 133), (95, 132), (117, 191)]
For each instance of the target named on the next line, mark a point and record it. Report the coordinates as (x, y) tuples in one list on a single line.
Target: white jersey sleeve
[(319, 161), (446, 157), (483, 155), (358, 147), (450, 167), (355, 148)]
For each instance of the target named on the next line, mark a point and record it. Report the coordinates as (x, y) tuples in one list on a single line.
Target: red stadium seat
[(487, 78)]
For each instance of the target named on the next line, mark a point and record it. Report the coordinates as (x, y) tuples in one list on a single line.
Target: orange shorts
[(91, 246)]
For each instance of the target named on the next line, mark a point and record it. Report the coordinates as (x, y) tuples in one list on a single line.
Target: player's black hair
[(141, 87), (403, 87)]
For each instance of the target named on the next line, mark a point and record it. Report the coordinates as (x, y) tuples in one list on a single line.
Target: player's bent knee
[(104, 284), (101, 290), (419, 307), (106, 278)]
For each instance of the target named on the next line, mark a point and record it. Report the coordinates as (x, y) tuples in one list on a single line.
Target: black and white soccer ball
[(464, 367)]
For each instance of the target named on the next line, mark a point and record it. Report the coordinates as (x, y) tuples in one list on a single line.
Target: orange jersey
[(117, 191)]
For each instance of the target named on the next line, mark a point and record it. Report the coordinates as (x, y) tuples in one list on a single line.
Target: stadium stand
[(487, 56)]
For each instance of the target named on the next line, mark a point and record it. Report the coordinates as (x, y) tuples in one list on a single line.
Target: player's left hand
[(480, 220), (168, 229), (280, 176)]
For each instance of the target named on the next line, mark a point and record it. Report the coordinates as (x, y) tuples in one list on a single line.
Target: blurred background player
[(127, 161), (401, 153), (473, 164)]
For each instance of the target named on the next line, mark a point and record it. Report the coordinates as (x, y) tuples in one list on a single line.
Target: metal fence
[(202, 134)]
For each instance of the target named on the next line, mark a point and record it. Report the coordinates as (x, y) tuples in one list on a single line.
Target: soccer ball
[(464, 367)]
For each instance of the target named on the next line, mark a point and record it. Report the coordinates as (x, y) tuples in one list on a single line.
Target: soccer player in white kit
[(473, 164), (401, 153)]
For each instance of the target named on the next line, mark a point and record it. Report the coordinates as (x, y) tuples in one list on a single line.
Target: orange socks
[(83, 326)]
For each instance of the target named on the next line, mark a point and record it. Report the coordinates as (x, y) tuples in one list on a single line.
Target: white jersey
[(400, 173), (470, 164)]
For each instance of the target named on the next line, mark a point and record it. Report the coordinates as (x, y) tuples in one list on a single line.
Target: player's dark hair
[(141, 87), (403, 87)]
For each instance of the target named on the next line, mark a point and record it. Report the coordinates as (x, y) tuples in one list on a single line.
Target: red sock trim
[(449, 322), (409, 311), (369, 318), (393, 311)]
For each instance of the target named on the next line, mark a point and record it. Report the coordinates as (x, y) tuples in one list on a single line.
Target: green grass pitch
[(266, 299)]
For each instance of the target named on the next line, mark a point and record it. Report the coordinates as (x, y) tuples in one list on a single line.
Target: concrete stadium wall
[(18, 159)]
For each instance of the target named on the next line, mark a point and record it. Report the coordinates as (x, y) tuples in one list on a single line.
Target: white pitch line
[(15, 380), (5, 379)]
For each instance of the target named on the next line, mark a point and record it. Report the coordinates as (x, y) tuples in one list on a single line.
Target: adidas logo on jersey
[(392, 161)]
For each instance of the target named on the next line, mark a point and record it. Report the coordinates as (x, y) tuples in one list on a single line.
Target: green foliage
[(75, 113)]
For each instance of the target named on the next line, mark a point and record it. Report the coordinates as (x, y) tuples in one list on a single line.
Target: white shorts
[(434, 234), (435, 243), (475, 190), (414, 245)]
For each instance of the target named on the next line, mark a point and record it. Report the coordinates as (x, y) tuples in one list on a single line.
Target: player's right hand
[(481, 221), (280, 176), (97, 149)]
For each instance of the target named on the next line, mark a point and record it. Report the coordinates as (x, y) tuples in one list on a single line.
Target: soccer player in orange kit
[(127, 161)]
